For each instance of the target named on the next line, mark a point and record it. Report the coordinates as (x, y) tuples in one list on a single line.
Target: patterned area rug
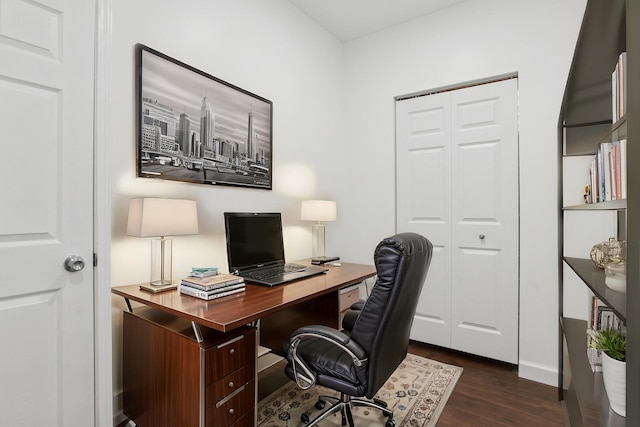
[(417, 392)]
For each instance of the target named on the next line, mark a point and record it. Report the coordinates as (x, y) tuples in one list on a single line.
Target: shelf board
[(600, 206), (263, 350), (268, 360), (591, 397), (593, 277)]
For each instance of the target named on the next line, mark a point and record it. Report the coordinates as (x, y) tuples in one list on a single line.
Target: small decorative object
[(615, 275), (613, 345), (602, 253)]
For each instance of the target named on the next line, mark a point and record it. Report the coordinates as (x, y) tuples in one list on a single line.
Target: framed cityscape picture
[(194, 127)]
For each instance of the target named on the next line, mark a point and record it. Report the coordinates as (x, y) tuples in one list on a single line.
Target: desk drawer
[(246, 420), (229, 356), (232, 407), (226, 386), (348, 296)]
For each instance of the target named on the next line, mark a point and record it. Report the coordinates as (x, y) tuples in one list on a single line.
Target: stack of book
[(212, 287)]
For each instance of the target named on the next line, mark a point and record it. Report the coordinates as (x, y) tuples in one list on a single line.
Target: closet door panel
[(485, 220), (424, 201)]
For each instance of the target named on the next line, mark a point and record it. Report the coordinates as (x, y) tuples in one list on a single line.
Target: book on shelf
[(212, 282), (215, 294), (623, 168), (608, 172), (605, 149), (618, 88)]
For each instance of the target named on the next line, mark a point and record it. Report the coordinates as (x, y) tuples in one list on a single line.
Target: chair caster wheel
[(320, 404), (390, 423), (304, 418)]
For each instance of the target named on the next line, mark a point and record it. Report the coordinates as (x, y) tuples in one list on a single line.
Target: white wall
[(471, 41), (334, 127), (268, 48)]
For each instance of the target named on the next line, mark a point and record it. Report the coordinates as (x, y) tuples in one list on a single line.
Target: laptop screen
[(253, 239)]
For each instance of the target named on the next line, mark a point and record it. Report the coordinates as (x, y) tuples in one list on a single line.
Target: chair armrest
[(338, 338), (358, 305), (349, 319), (307, 378)]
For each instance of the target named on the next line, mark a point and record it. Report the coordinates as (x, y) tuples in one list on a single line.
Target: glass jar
[(615, 275)]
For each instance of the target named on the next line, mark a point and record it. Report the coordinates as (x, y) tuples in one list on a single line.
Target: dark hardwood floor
[(488, 393)]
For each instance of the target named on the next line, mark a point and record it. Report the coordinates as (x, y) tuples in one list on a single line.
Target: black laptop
[(255, 250)]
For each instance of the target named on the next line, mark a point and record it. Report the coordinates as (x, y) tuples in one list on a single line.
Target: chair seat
[(333, 367)]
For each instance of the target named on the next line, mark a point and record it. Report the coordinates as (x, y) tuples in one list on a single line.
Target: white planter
[(614, 374)]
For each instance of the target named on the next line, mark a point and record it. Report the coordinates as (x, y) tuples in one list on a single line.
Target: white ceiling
[(350, 19)]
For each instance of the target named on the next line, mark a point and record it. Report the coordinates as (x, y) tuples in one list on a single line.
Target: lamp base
[(156, 289), (323, 259)]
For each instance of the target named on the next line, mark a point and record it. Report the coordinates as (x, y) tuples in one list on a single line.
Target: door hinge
[(95, 259)]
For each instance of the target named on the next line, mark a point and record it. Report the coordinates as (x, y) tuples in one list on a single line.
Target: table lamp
[(155, 217), (319, 210)]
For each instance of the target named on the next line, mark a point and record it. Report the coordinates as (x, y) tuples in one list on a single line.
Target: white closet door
[(457, 184), (485, 217), (424, 203)]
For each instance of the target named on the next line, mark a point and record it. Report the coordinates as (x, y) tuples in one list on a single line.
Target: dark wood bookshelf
[(608, 29)]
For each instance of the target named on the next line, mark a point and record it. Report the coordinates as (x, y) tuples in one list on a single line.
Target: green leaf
[(612, 342)]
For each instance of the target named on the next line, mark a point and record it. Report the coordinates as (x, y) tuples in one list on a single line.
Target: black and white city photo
[(197, 128)]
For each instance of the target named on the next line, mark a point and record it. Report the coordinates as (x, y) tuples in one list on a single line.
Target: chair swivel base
[(344, 404)]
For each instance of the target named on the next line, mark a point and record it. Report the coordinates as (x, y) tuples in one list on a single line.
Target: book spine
[(186, 290), (614, 95), (623, 169), (618, 170), (207, 296)]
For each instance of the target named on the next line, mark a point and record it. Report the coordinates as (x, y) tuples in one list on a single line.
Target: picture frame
[(197, 128)]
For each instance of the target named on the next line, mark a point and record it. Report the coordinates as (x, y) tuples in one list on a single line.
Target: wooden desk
[(175, 374)]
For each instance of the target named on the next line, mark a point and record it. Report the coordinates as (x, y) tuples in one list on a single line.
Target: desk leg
[(197, 331)]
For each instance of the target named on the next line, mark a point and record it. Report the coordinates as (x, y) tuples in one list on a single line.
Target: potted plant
[(612, 343)]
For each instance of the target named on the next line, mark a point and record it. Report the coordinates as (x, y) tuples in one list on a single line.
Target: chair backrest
[(383, 326)]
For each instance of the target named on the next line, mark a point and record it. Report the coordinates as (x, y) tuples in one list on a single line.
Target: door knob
[(73, 263)]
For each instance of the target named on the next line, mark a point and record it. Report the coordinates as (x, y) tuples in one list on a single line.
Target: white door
[(46, 117), (480, 237), (424, 203)]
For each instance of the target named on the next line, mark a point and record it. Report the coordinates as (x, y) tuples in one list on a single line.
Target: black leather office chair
[(357, 362)]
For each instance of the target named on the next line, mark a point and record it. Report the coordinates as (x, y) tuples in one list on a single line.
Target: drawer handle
[(231, 396), (231, 384), (233, 350), (231, 411)]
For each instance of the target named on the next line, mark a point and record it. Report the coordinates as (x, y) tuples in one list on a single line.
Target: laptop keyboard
[(274, 271)]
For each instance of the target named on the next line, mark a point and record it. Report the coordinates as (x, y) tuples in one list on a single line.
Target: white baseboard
[(118, 414), (538, 373)]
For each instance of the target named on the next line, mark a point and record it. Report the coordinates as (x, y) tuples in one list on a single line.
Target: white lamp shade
[(319, 210), (154, 217)]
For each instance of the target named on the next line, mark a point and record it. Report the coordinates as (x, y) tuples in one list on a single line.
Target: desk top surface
[(227, 313)]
